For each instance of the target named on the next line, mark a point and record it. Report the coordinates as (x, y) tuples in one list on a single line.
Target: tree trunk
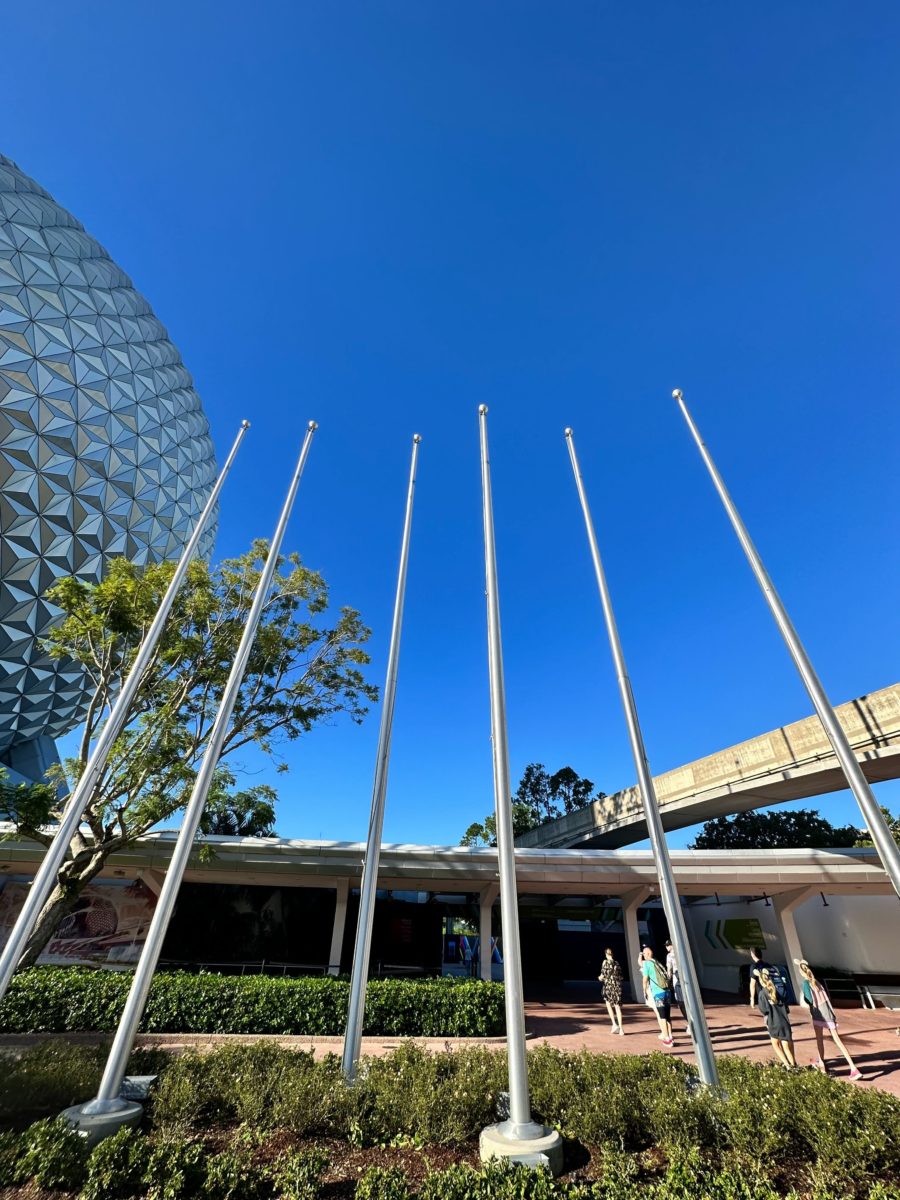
[(73, 876)]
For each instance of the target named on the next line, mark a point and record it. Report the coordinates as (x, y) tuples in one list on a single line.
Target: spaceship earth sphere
[(104, 446)]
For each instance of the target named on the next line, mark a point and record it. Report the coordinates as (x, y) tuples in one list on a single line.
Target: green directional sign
[(737, 933)]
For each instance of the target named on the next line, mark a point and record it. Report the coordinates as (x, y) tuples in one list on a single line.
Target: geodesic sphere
[(104, 446)]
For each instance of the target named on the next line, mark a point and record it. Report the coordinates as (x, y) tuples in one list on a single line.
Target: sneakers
[(856, 1073), (620, 1031), (818, 1065), (671, 1042), (614, 1029)]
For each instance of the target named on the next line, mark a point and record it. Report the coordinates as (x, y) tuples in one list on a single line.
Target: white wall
[(853, 933)]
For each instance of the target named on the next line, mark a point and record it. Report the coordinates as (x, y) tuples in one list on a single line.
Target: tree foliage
[(799, 829), (539, 799), (302, 670)]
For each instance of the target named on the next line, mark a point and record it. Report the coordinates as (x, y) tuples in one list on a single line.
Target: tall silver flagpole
[(45, 877), (519, 1135), (104, 1114), (360, 971), (888, 850), (696, 1017)]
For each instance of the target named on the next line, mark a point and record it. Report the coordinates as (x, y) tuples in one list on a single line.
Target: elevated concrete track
[(793, 762)]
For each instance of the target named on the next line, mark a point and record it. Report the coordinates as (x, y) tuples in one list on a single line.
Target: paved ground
[(574, 1018)]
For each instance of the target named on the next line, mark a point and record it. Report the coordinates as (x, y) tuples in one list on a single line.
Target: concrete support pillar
[(153, 879), (485, 928), (631, 902), (340, 921), (696, 949), (784, 906)]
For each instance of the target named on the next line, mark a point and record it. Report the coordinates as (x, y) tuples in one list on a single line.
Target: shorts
[(832, 1025), (662, 1007)]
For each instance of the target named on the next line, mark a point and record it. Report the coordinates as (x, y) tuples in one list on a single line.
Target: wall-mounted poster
[(108, 924)]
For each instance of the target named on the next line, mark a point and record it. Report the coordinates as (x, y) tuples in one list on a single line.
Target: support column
[(153, 879), (696, 948), (485, 928), (784, 906), (631, 902), (340, 921)]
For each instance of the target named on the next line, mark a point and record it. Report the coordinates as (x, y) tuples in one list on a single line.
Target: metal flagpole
[(369, 884), (519, 1135), (693, 1002), (888, 850), (108, 1111), (45, 879)]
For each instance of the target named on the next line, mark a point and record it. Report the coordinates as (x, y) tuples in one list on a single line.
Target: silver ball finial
[(245, 424), (482, 409), (568, 431), (313, 425), (676, 395), (417, 437)]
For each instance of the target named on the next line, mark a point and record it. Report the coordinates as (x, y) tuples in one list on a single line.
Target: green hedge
[(253, 1121), (79, 999)]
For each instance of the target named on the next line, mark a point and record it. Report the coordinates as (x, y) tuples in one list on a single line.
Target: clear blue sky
[(381, 215)]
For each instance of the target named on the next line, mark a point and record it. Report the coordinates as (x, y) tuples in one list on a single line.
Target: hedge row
[(129, 1164), (79, 999), (638, 1131)]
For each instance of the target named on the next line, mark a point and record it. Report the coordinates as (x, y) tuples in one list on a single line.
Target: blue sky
[(383, 215)]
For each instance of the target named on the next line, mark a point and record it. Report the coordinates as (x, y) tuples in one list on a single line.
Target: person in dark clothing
[(757, 964)]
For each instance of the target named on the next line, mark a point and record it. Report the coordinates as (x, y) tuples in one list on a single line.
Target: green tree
[(302, 670), (246, 813), (799, 829), (484, 833), (864, 837), (539, 799)]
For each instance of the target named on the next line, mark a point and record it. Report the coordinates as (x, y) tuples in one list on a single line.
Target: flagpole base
[(532, 1145), (95, 1126)]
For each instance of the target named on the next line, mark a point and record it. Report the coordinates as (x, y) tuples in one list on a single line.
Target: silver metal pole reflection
[(107, 1099), (360, 971), (887, 848), (520, 1124), (45, 879), (693, 1003)]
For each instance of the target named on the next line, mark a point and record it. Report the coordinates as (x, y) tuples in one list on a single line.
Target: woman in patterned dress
[(611, 978)]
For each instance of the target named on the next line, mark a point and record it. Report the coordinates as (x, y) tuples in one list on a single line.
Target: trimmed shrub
[(117, 1166), (11, 1150), (175, 1170), (263, 1086), (48, 1077), (232, 1175), (383, 1183), (297, 1175), (63, 999), (54, 1075), (442, 1099), (54, 1155)]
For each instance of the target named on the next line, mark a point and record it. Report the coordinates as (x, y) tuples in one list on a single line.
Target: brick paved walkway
[(574, 1018)]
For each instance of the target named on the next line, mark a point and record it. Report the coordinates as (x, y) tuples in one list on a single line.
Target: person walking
[(611, 978), (775, 1009), (656, 993), (814, 997), (757, 965), (675, 979)]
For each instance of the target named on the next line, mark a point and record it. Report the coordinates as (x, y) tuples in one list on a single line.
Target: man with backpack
[(757, 965), (656, 992)]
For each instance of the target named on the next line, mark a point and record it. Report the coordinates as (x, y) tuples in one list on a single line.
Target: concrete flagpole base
[(95, 1126), (531, 1145)]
